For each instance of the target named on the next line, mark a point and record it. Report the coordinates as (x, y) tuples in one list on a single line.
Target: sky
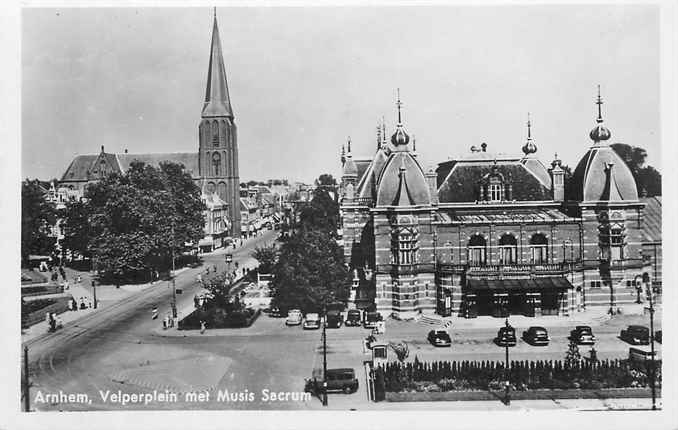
[(303, 79)]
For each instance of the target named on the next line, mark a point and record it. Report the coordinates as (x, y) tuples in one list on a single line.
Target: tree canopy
[(648, 179), (37, 218), (266, 256), (138, 219), (310, 269)]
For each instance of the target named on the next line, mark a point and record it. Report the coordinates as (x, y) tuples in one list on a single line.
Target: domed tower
[(604, 195), (403, 214), (218, 142)]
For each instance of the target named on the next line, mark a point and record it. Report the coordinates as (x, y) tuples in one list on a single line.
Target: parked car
[(353, 318), (334, 319), (506, 336), (337, 380), (371, 319), (312, 321), (583, 335), (638, 354), (658, 336), (536, 336), (439, 338), (294, 317), (636, 335), (275, 313)]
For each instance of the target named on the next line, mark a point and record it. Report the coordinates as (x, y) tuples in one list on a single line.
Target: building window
[(538, 249), (612, 239), (477, 247), (508, 247), (405, 246), (216, 164), (595, 284), (494, 192), (215, 133)]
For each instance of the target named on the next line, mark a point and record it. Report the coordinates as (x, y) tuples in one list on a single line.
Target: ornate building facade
[(214, 168), (490, 233)]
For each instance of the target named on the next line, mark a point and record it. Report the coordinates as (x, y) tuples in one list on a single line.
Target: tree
[(572, 356), (37, 219), (266, 256), (139, 219), (402, 351), (321, 213), (648, 179), (76, 227), (325, 180), (309, 272)]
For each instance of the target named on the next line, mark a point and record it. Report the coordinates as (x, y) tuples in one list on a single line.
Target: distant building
[(492, 234), (214, 168)]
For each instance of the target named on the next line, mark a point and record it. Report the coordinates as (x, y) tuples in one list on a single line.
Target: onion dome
[(400, 138), (529, 147), (602, 175), (600, 133), (402, 182)]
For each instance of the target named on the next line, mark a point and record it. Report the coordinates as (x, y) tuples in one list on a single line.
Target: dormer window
[(494, 193)]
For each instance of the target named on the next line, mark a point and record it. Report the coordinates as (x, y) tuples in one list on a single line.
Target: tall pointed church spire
[(217, 100)]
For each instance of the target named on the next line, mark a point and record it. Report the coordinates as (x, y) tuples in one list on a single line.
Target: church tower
[(218, 142)]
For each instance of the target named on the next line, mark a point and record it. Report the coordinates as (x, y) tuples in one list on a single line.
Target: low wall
[(39, 290), (446, 396), (34, 317)]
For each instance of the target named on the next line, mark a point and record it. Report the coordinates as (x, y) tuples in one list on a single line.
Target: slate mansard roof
[(458, 179)]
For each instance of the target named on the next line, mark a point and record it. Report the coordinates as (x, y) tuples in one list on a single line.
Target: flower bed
[(541, 394), (218, 318), (465, 376)]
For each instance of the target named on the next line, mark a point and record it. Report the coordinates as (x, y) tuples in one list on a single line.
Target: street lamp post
[(508, 372), (94, 293), (174, 288), (324, 355), (648, 288)]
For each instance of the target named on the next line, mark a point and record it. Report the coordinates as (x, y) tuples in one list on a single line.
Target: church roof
[(217, 99), (188, 159), (82, 167)]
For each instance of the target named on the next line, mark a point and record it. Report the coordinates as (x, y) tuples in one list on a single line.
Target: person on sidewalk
[(164, 323), (62, 272)]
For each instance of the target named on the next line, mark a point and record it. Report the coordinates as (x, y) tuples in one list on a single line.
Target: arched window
[(494, 193), (507, 249), (612, 239), (216, 164), (215, 133), (405, 249), (477, 247), (538, 248)]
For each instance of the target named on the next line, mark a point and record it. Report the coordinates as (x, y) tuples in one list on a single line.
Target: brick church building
[(214, 168), (489, 233)]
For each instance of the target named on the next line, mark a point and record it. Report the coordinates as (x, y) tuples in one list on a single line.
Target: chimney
[(432, 188), (557, 180), (125, 150)]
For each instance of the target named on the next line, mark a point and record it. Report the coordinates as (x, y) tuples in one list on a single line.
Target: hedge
[(440, 376)]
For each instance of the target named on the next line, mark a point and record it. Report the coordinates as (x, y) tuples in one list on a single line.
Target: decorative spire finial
[(215, 12), (599, 102), (529, 147), (399, 104), (414, 144), (349, 144), (599, 133)]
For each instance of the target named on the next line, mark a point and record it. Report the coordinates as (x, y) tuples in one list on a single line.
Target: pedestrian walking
[(243, 271), (202, 327), (164, 323), (215, 268), (62, 272), (196, 302), (66, 285)]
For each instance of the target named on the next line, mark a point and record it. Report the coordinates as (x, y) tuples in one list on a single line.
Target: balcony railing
[(501, 270), (405, 268)]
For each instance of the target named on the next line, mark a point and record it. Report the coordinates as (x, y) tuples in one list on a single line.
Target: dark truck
[(334, 319), (354, 318), (371, 319)]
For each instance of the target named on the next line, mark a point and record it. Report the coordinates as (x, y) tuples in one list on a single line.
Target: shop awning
[(538, 284), (205, 242)]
